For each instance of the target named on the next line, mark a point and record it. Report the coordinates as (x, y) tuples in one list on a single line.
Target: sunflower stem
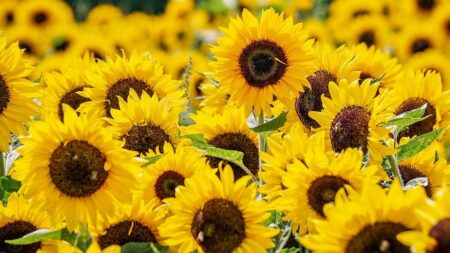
[(2, 165), (394, 165), (262, 142)]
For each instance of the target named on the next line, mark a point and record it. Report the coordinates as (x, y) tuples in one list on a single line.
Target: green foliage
[(151, 160), (417, 144), (7, 187), (44, 234), (143, 247), (272, 125), (404, 120)]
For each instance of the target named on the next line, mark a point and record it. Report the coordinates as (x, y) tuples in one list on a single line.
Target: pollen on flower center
[(14, 230), (219, 226), (141, 138), (4, 94), (323, 190), (124, 232)]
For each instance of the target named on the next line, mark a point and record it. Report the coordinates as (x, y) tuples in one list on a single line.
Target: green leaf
[(417, 144), (272, 125), (378, 79), (143, 247), (151, 160), (198, 140), (84, 239), (215, 7), (9, 184), (403, 120), (43, 235)]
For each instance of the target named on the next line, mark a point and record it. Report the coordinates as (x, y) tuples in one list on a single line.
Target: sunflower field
[(225, 126)]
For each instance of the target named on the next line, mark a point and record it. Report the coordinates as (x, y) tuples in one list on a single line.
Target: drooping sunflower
[(366, 222), (16, 93), (63, 87), (58, 246), (315, 182), (260, 59), (221, 216), (138, 222), (352, 116), (330, 66), (414, 89), (228, 130), (144, 123), (418, 37), (431, 60), (104, 14), (171, 170), (76, 168), (115, 77), (434, 217), (43, 13)]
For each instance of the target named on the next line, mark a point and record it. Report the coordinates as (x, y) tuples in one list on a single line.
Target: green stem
[(262, 142), (284, 237), (394, 165), (2, 165)]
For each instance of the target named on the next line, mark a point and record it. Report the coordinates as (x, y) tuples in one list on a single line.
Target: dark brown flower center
[(167, 183), (310, 99), (410, 173), (219, 227), (96, 54), (238, 142), (441, 233), (9, 17), (14, 230), (426, 4), (263, 63), (323, 190), (77, 168), (420, 127), (73, 99), (124, 232), (447, 26), (350, 129), (145, 137), (62, 45), (5, 96), (364, 76), (26, 47), (121, 89), (360, 13), (420, 45), (367, 37), (40, 17), (379, 237)]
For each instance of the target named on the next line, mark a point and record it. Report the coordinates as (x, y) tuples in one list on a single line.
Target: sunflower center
[(124, 232), (420, 45), (310, 99), (263, 63), (96, 54), (4, 94), (350, 129), (323, 190), (441, 233), (73, 99), (360, 13), (367, 37), (14, 230), (219, 227), (40, 17), (426, 4), (167, 183), (410, 173), (447, 26), (378, 238), (364, 76), (62, 45), (238, 142), (9, 17), (77, 168), (145, 137), (121, 89), (420, 127), (26, 46)]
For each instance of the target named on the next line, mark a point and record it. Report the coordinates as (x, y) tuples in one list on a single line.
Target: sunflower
[(228, 130), (414, 89), (431, 60), (16, 93), (104, 14), (416, 38), (171, 170), (7, 13), (220, 216), (434, 217), (441, 19), (260, 59), (421, 9), (175, 36), (216, 98), (373, 30), (115, 77), (352, 117), (57, 246), (62, 38), (29, 40), (366, 222), (374, 63), (20, 217), (131, 223), (314, 182), (94, 43), (43, 13), (63, 87), (318, 31), (330, 66), (104, 175), (144, 123)]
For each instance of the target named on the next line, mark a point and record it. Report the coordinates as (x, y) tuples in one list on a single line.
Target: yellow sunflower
[(57, 246), (171, 170), (115, 77), (62, 38), (330, 66), (352, 116), (7, 13), (373, 30), (216, 98), (318, 30), (138, 222), (43, 13), (421, 9), (431, 60), (228, 130), (366, 222), (434, 217), (414, 89), (260, 59), (104, 14), (29, 40), (221, 216), (314, 182), (75, 168), (418, 37), (16, 93), (97, 44)]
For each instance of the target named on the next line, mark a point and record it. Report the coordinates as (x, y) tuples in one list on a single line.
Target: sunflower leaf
[(403, 120), (198, 140), (272, 125), (151, 160), (7, 187), (84, 239), (417, 144), (143, 247), (42, 235)]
